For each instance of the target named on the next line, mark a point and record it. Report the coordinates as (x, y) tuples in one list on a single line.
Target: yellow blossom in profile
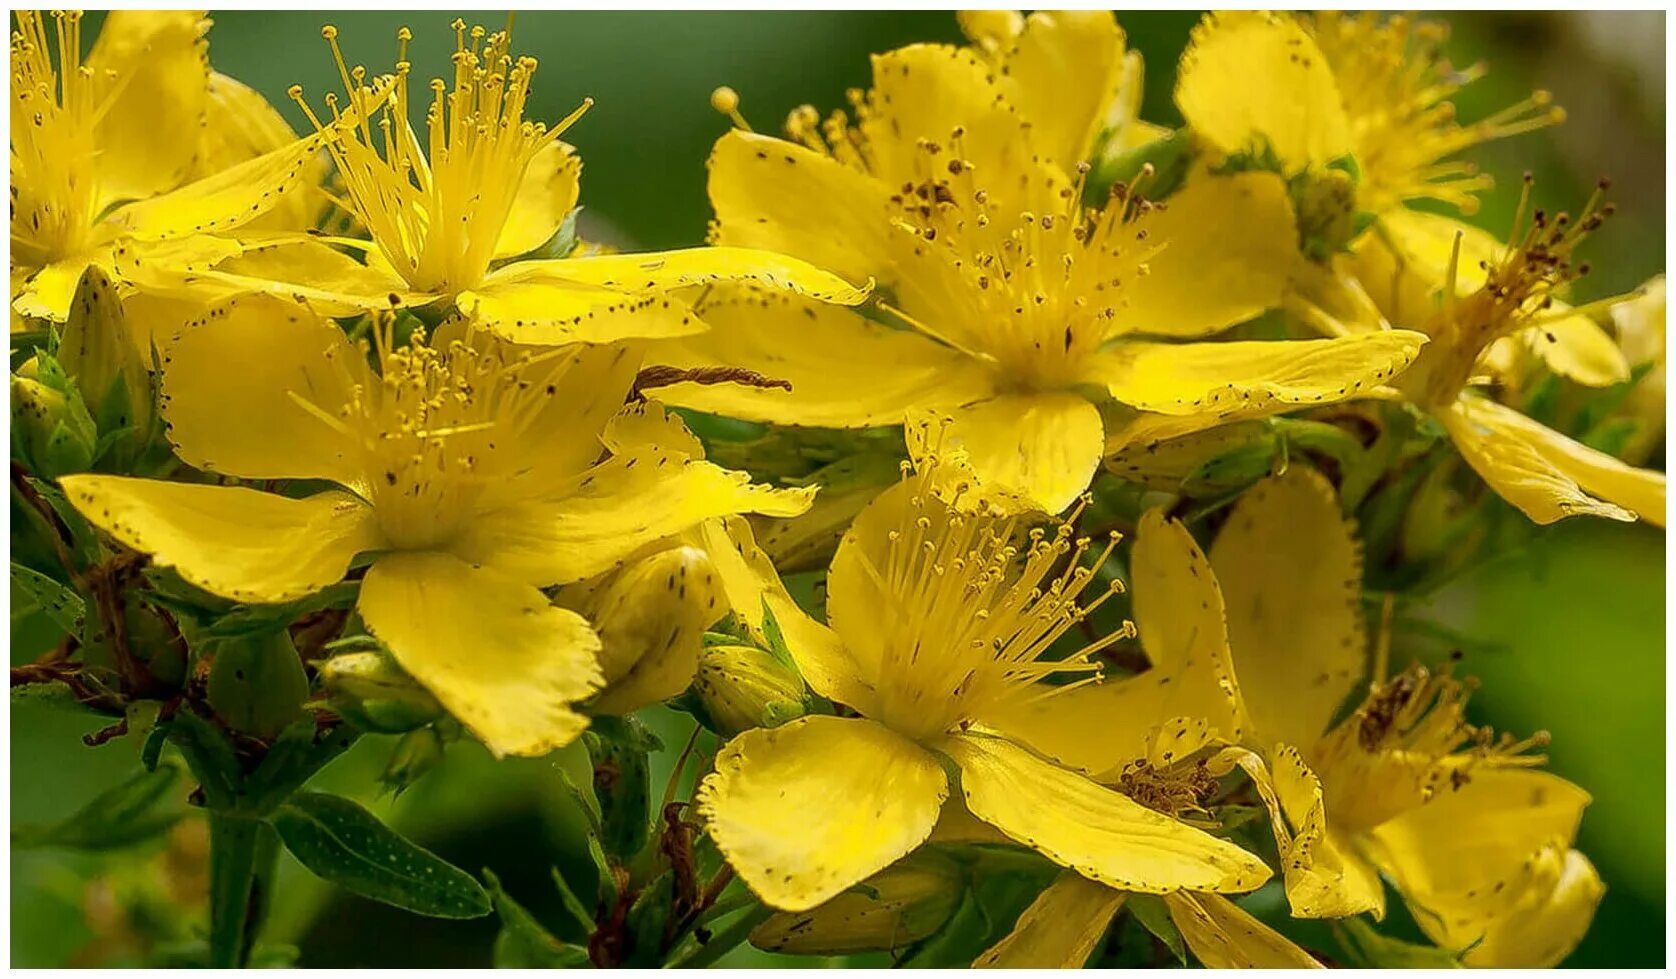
[(1004, 301), (467, 470), (106, 150), (940, 620), (451, 219), (1513, 294)]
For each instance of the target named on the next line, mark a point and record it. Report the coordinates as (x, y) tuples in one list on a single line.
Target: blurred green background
[(1570, 629)]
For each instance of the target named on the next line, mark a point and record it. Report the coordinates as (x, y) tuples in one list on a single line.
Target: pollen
[(435, 211)]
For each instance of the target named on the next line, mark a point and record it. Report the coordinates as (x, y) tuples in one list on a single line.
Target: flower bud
[(650, 615), (99, 351), (1327, 215), (743, 687), (905, 902), (416, 753), (52, 432), (256, 684), (369, 689)]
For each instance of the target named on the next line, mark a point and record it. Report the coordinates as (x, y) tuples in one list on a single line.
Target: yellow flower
[(468, 471), (447, 219), (1355, 110), (938, 623), (105, 150), (1543, 473), (1163, 737), (1006, 302), (1273, 641)]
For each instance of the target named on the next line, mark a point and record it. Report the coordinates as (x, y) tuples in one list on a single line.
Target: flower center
[(436, 212), (55, 192), (439, 425), (1409, 739), (972, 614), (1518, 293)]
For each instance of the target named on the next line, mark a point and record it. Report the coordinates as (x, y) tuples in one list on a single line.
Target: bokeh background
[(1567, 632)]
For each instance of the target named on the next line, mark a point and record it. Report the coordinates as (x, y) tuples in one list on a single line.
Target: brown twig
[(60, 531), (660, 375)]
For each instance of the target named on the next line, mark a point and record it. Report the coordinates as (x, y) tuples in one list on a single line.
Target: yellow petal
[(523, 305), (251, 421), (48, 292), (234, 542), (1227, 249), (1291, 570), (650, 616), (657, 272), (1578, 348), (503, 660), (242, 125), (1237, 378), (828, 666), (1091, 829), (1224, 935), (845, 370), (1043, 447), (926, 92), (746, 574), (146, 137), (1099, 728), (772, 194), (1061, 72), (1059, 930), (224, 201), (587, 524), (1479, 853), (1249, 79), (1325, 878), (805, 810), (1547, 475), (1543, 932), (548, 191)]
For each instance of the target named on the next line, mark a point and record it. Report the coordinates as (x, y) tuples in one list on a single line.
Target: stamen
[(726, 101)]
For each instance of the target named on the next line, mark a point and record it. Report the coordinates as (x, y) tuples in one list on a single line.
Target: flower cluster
[(1019, 495)]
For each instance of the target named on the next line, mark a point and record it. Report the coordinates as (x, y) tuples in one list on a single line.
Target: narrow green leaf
[(127, 813), (1367, 948), (345, 844), (523, 943), (298, 752), (58, 600)]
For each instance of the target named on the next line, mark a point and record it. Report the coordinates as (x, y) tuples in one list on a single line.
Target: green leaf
[(573, 906), (1369, 949), (646, 920), (211, 757), (58, 600), (523, 943), (127, 813), (345, 844), (1154, 916)]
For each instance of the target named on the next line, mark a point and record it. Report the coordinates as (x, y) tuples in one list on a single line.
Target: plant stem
[(237, 845), (724, 941)]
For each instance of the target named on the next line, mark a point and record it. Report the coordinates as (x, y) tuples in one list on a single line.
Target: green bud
[(908, 901), (1327, 216), (743, 687), (99, 350), (374, 694), (256, 684), (52, 432), (416, 753)]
